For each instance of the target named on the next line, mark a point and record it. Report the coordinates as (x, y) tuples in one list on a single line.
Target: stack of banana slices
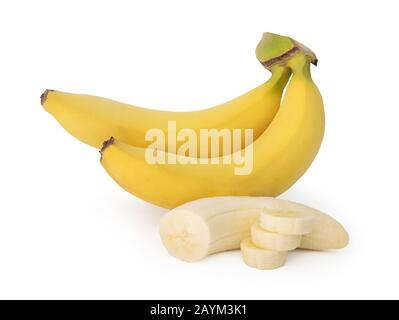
[(287, 131), (277, 233)]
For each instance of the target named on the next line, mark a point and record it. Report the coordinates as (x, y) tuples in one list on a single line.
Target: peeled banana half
[(199, 228)]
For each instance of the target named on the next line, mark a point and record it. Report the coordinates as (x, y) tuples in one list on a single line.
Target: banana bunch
[(219, 191), (286, 137)]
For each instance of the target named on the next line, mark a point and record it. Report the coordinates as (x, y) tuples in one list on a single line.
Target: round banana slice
[(261, 258), (273, 241), (185, 235), (286, 222)]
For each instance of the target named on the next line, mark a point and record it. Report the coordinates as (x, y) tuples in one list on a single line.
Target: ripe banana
[(202, 227), (259, 258), (93, 119), (273, 241), (288, 223), (273, 163)]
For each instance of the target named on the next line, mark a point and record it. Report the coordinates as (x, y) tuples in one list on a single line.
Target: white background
[(68, 231)]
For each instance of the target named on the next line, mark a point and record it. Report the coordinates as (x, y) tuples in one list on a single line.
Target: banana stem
[(275, 50), (300, 65), (280, 76)]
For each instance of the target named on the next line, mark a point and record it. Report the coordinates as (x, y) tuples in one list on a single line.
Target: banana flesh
[(199, 228), (259, 258), (285, 222), (265, 239)]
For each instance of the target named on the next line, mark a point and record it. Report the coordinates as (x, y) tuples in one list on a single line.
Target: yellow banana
[(280, 155), (93, 119)]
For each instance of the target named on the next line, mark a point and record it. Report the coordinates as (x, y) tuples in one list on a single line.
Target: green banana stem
[(275, 50), (300, 65)]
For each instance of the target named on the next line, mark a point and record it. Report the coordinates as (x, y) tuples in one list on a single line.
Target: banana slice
[(261, 258), (273, 241), (286, 222), (185, 235)]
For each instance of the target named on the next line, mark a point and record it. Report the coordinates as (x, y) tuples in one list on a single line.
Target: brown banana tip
[(315, 62), (106, 144), (44, 95)]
